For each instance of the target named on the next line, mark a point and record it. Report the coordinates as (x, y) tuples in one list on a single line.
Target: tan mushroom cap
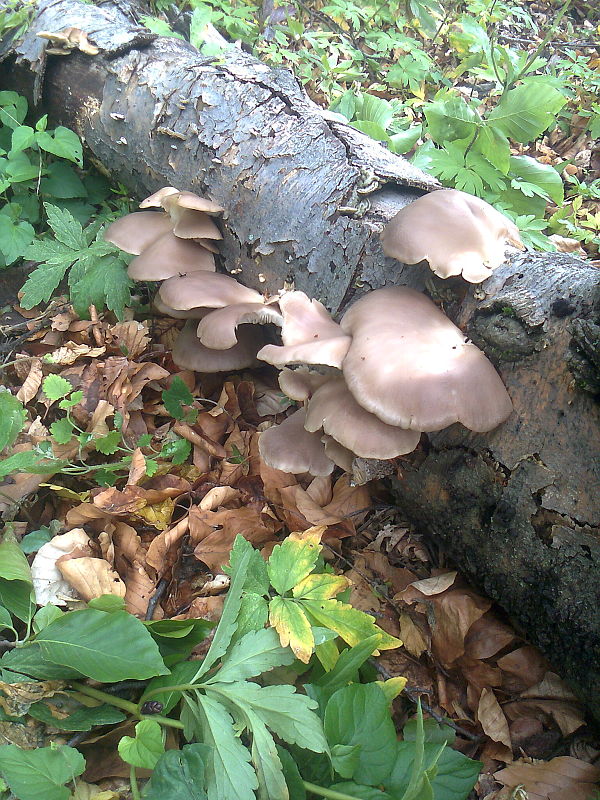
[(185, 199), (133, 233), (411, 367), (192, 313), (333, 409), (168, 256), (205, 290), (290, 448), (193, 224), (189, 353), (454, 232), (300, 384), (329, 352), (339, 454), (218, 329)]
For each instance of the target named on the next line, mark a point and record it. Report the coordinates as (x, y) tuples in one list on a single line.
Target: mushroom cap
[(189, 353), (300, 384), (133, 233), (205, 290), (454, 232), (184, 199), (155, 200), (333, 409), (193, 313), (327, 352), (290, 448), (339, 454), (217, 330), (193, 224), (412, 367), (168, 256)]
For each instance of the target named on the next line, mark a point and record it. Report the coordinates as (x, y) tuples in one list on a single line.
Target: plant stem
[(329, 793), (125, 705), (135, 789)]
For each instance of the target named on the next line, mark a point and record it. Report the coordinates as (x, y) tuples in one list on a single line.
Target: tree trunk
[(518, 508)]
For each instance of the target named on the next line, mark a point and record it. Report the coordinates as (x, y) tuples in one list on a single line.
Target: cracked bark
[(517, 509)]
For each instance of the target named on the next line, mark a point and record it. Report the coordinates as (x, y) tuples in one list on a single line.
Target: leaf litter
[(157, 531)]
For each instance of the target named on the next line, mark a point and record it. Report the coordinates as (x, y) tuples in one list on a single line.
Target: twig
[(153, 602)]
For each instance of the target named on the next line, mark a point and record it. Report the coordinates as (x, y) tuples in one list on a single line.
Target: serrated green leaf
[(177, 396), (292, 561), (83, 719), (12, 419), (528, 110), (146, 748), (293, 627), (61, 142), (348, 622), (288, 714), (65, 227), (271, 781), (255, 653), (359, 715), (32, 774), (109, 444), (228, 771), (55, 387), (62, 431), (257, 578), (99, 282), (15, 238), (177, 450), (28, 461), (253, 615), (106, 647), (179, 775)]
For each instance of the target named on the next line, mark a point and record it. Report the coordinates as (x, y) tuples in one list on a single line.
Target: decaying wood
[(517, 509)]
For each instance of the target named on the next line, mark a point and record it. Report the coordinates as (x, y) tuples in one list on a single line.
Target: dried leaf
[(562, 778), (492, 719), (91, 577), (48, 582), (32, 382)]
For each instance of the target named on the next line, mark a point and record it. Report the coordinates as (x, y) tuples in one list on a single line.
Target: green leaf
[(494, 145), (362, 792), (359, 715), (179, 775), (288, 714), (293, 627), (528, 110), (66, 228), (271, 780), (257, 578), (345, 758), (45, 616), (290, 562), (16, 590), (147, 747), (177, 450), (403, 141), (543, 176), (105, 647), (292, 775), (32, 774), (107, 602), (376, 110), (55, 387), (228, 772), (455, 773), (181, 674), (19, 168), (29, 461), (346, 669), (109, 444), (83, 719), (42, 282), (62, 431), (371, 129), (177, 638), (5, 619), (62, 182), (177, 396), (255, 653), (30, 661), (349, 623), (227, 623), (61, 142), (254, 615), (450, 117), (99, 281), (15, 237), (12, 419)]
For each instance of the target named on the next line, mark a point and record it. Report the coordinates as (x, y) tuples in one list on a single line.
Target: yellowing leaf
[(320, 587), (294, 559), (290, 622), (392, 687), (352, 625), (67, 494), (158, 514)]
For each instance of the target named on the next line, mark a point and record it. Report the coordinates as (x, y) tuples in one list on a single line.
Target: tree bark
[(517, 509)]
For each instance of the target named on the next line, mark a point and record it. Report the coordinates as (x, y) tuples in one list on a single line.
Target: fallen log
[(306, 196)]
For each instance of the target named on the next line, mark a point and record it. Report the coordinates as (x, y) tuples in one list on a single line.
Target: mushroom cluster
[(395, 366), (177, 246)]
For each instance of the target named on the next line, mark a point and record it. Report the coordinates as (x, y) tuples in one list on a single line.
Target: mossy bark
[(306, 196)]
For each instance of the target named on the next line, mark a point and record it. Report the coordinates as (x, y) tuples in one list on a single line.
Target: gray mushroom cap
[(168, 256), (218, 329), (133, 233), (290, 448), (205, 290), (189, 353), (412, 367), (333, 409), (455, 232)]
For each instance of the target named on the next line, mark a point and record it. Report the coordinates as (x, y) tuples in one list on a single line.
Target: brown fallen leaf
[(487, 636), (91, 577), (32, 382), (492, 719), (16, 698), (561, 778), (137, 468)]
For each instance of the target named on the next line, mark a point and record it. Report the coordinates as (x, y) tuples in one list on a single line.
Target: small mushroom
[(290, 448), (188, 211), (189, 353), (333, 409), (455, 232), (412, 367), (133, 233), (168, 256), (205, 290), (217, 329), (300, 384)]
